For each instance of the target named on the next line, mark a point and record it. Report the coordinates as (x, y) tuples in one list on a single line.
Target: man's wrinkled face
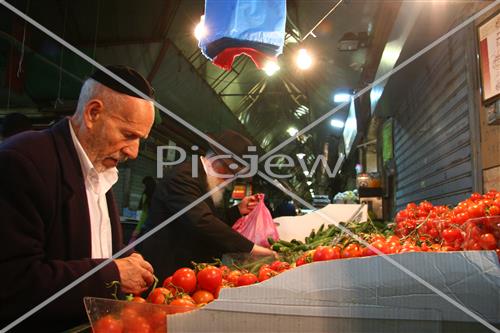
[(116, 135)]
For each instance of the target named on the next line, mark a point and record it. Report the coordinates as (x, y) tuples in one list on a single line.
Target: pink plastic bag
[(258, 225)]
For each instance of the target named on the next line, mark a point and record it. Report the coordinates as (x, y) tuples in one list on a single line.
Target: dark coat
[(198, 235), (45, 241)]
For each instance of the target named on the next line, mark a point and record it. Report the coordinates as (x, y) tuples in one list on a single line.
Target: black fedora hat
[(237, 144)]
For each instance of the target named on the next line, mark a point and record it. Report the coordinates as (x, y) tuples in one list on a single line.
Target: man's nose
[(132, 150)]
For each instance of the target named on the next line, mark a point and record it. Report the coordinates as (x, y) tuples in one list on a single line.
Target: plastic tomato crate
[(108, 315), (482, 233)]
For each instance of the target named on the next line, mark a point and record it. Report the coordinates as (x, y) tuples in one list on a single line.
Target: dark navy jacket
[(45, 231)]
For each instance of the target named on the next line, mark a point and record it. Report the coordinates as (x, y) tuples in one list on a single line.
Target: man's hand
[(258, 250), (136, 274), (247, 204)]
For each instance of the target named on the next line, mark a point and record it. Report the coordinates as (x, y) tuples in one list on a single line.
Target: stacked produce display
[(474, 224)]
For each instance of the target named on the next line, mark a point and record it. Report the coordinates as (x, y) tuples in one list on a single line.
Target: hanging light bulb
[(271, 67), (200, 31), (304, 60)]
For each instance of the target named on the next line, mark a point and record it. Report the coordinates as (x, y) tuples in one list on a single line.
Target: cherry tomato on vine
[(184, 278), (108, 324), (209, 278)]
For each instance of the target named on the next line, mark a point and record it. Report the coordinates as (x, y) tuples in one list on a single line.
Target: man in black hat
[(202, 233), (59, 219)]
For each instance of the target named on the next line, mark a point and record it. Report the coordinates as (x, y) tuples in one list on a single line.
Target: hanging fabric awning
[(255, 28)]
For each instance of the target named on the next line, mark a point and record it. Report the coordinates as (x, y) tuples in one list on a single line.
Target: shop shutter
[(433, 133)]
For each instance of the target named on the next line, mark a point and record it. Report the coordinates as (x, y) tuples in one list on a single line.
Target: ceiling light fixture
[(304, 60), (271, 67), (337, 123), (301, 156), (306, 173), (342, 97), (200, 31), (292, 131), (309, 183)]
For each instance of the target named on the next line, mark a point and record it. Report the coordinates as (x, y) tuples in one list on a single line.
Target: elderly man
[(201, 234), (59, 218)]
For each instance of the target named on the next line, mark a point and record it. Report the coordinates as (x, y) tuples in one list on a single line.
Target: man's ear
[(92, 112)]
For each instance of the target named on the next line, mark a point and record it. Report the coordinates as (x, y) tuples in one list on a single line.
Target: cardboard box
[(298, 227), (359, 295)]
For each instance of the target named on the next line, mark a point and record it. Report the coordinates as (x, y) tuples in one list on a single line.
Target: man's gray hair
[(92, 89)]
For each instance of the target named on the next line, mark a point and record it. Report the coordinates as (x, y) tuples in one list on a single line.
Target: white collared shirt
[(96, 186)]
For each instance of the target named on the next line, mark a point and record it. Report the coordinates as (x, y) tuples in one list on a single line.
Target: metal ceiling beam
[(386, 16), (162, 30), (159, 60), (118, 42)]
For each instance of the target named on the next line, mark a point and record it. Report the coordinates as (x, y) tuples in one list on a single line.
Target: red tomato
[(138, 299), (233, 277), (300, 261), (158, 320), (225, 271), (247, 279), (476, 211), (475, 196), (411, 206), (108, 324), (184, 278), (209, 278), (186, 297), (138, 325), (451, 234), (160, 296), (377, 237), (409, 248), (182, 305), (279, 266), (324, 253), (203, 297), (487, 241), (425, 205), (351, 251), (392, 239), (129, 314), (494, 210), (265, 273), (379, 245), (167, 282)]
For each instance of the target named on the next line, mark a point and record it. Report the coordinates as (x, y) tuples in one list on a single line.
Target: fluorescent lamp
[(342, 97), (337, 123)]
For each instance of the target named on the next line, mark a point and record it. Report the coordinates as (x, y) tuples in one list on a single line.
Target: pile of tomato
[(474, 224)]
